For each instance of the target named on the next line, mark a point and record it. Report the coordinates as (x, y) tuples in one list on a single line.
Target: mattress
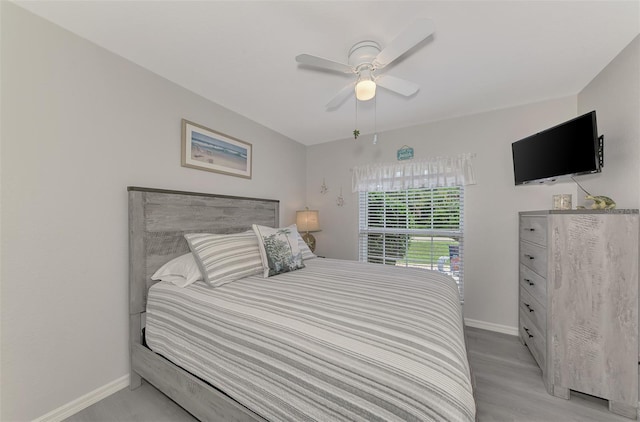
[(335, 341)]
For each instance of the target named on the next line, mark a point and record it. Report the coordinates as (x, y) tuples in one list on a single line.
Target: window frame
[(373, 225)]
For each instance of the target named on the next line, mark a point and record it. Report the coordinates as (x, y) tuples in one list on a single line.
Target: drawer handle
[(529, 256), (527, 330), (529, 282), (528, 307), (531, 230)]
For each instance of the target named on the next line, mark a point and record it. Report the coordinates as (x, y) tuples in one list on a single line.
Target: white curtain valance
[(430, 173)]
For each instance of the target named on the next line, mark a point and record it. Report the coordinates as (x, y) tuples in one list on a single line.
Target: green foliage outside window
[(424, 209)]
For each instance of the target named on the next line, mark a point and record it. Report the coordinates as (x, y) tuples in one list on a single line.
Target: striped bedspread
[(335, 341)]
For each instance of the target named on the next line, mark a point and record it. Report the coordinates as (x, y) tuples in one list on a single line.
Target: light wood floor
[(508, 388)]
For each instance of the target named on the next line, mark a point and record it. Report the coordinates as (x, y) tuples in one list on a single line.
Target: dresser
[(578, 302)]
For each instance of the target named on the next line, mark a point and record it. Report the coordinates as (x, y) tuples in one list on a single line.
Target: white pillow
[(279, 249), (225, 258), (180, 271)]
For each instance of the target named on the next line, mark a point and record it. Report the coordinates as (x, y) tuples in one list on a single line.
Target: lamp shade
[(307, 221)]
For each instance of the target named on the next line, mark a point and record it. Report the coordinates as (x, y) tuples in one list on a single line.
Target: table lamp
[(307, 221)]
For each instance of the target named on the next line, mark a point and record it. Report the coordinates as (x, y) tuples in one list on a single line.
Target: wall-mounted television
[(568, 149)]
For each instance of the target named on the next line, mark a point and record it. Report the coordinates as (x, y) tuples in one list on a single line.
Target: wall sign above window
[(405, 153)]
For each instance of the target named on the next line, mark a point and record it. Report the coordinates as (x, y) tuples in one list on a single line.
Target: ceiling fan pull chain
[(356, 132), (375, 120)]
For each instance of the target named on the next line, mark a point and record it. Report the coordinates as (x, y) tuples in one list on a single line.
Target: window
[(420, 228)]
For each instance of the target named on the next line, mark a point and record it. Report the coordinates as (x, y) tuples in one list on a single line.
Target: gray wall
[(615, 95), (79, 125), (491, 206)]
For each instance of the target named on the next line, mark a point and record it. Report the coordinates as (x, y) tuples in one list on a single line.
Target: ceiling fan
[(366, 58)]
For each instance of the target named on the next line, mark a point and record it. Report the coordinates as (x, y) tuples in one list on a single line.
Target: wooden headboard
[(158, 220)]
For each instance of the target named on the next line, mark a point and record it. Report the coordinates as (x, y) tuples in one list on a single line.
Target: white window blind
[(419, 228)]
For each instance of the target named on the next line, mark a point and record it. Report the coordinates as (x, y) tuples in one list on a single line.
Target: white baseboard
[(85, 401), (505, 329)]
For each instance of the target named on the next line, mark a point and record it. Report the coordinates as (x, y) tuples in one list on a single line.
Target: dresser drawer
[(534, 310), (533, 283), (533, 229), (533, 339), (534, 257)]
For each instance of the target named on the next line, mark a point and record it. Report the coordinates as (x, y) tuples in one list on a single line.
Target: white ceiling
[(484, 55)]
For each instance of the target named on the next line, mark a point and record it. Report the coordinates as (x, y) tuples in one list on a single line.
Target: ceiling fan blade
[(397, 85), (341, 96), (412, 35), (324, 63)]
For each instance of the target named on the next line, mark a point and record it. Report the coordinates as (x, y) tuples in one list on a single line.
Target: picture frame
[(206, 149)]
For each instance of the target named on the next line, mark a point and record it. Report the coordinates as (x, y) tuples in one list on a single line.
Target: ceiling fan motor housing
[(363, 53)]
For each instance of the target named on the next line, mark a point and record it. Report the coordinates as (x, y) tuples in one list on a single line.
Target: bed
[(336, 340)]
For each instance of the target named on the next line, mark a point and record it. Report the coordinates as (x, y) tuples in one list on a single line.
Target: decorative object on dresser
[(578, 302), (308, 221), (562, 201), (600, 202)]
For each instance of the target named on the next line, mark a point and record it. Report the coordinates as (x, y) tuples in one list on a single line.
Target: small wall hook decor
[(323, 188), (340, 199)]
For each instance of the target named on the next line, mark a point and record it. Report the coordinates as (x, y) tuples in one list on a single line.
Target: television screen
[(570, 148)]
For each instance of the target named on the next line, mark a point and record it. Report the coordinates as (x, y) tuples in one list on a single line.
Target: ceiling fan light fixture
[(365, 90), (366, 87)]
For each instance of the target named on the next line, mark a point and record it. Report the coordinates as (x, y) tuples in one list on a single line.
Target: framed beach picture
[(205, 149)]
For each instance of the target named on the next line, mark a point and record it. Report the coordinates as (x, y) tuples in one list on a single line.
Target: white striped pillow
[(225, 258)]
